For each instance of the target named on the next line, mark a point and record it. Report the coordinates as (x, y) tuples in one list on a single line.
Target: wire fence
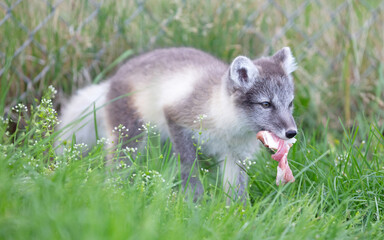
[(68, 43)]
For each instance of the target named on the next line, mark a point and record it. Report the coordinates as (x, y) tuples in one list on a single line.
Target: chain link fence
[(68, 43)]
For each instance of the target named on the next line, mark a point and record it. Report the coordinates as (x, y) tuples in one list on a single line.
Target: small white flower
[(102, 141), (52, 89), (20, 108)]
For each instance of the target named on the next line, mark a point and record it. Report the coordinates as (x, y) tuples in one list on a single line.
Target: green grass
[(338, 160), (338, 193), (337, 45)]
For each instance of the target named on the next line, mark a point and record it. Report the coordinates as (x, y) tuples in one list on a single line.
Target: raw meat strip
[(270, 140)]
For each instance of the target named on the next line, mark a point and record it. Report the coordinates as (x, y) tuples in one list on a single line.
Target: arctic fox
[(172, 87)]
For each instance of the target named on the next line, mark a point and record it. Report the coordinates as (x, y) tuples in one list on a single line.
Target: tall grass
[(337, 161), (338, 193), (338, 45)]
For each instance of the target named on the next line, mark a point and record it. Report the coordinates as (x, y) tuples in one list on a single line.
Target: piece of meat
[(270, 140)]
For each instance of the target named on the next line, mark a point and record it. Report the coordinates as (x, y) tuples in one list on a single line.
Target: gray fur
[(117, 111), (271, 85), (184, 146), (146, 67), (242, 73)]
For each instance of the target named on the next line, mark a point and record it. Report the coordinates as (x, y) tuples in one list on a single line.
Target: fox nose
[(290, 133)]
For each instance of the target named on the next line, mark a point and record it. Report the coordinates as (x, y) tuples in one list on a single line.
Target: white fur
[(167, 90), (222, 111), (230, 150), (229, 144), (230, 171), (78, 116), (289, 64)]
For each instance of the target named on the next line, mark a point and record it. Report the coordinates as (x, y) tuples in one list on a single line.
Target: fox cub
[(172, 87)]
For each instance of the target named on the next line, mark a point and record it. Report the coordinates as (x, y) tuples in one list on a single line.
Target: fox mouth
[(274, 134), (280, 135)]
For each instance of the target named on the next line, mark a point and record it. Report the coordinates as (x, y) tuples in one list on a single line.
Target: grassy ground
[(337, 161), (338, 193)]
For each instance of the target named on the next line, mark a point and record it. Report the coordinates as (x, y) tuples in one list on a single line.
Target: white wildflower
[(19, 108)]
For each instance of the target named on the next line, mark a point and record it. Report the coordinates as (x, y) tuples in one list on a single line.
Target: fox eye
[(290, 104), (266, 104)]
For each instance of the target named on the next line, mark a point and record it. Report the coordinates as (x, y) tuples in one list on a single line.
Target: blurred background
[(69, 44)]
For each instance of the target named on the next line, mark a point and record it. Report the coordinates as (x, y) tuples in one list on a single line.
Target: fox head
[(263, 92)]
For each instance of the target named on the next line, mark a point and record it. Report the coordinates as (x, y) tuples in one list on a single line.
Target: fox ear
[(285, 57), (243, 72)]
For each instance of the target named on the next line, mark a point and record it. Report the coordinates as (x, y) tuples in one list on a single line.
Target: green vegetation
[(338, 193), (338, 160)]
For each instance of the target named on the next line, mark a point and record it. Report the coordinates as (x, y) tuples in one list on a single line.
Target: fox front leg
[(182, 145), (235, 181)]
